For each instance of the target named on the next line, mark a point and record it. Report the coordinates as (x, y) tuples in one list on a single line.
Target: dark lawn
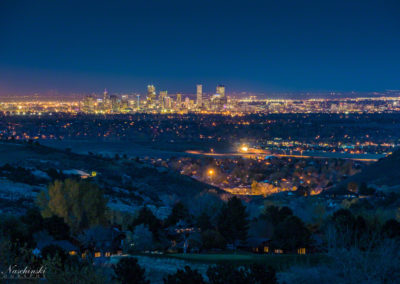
[(279, 262)]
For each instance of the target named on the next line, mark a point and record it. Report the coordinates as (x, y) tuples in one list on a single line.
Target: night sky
[(258, 46)]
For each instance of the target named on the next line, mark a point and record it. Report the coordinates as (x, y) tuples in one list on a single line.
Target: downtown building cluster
[(212, 103), (162, 102)]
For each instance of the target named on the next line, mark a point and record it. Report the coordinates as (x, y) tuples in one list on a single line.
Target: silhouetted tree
[(212, 240), (232, 221), (185, 276), (276, 215), (15, 231), (33, 220), (343, 220), (204, 222), (146, 217), (179, 212), (365, 190), (391, 229), (56, 227), (291, 234), (128, 271), (260, 274)]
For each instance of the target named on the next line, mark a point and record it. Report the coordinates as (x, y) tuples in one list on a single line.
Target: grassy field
[(279, 262)]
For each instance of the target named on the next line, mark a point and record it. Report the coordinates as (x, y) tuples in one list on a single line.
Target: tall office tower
[(115, 104), (167, 102), (187, 102), (105, 95), (161, 98), (124, 101), (178, 100), (138, 101), (88, 103), (221, 90), (199, 92), (151, 93)]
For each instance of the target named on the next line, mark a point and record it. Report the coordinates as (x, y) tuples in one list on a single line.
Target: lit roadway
[(261, 154)]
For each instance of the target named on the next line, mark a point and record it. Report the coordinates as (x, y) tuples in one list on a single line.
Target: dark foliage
[(56, 227), (253, 274), (353, 230), (291, 234), (204, 222), (276, 215), (233, 221), (53, 251), (391, 229), (128, 271), (186, 276), (212, 240), (54, 174), (20, 174), (147, 217), (33, 220), (179, 212)]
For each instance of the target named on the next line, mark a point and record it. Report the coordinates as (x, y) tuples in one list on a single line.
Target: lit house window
[(72, 252), (266, 249), (301, 251), (107, 254), (97, 254), (279, 251)]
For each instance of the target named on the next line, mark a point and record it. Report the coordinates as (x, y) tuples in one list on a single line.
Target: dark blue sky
[(260, 46)]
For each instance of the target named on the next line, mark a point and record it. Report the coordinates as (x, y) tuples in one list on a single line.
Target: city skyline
[(261, 47)]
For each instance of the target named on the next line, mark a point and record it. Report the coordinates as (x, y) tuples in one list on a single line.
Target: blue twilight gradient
[(260, 46)]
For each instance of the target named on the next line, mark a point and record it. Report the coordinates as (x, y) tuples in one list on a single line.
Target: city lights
[(244, 148)]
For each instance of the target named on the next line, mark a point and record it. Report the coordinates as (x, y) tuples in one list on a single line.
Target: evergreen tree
[(233, 221), (146, 217), (276, 215), (204, 222), (291, 234), (179, 212)]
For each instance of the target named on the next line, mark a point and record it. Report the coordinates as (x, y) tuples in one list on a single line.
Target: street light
[(244, 148)]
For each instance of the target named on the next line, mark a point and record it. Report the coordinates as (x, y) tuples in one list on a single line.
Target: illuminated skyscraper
[(199, 93), (88, 103), (138, 101), (161, 98), (187, 102), (105, 95), (151, 93), (115, 103), (178, 100), (124, 101), (106, 100), (219, 100), (221, 90), (167, 102)]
